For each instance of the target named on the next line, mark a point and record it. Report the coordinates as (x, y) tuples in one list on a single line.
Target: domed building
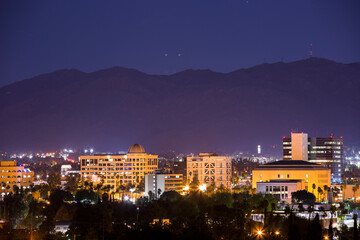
[(136, 148), (117, 169)]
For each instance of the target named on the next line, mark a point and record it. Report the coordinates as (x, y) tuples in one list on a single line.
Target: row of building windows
[(16, 182), (14, 176), (276, 188), (219, 165), (12, 171)]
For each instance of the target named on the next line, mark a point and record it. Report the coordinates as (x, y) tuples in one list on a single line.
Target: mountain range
[(189, 111)]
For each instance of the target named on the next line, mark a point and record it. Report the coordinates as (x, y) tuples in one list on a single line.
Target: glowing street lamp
[(259, 232), (131, 190), (186, 188), (202, 187), (277, 233)]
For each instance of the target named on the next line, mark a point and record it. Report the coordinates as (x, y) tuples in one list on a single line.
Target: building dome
[(136, 148)]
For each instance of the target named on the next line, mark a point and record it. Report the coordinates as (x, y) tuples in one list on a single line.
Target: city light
[(186, 188), (202, 187)]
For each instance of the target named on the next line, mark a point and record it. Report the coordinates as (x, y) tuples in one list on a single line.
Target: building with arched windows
[(210, 168)]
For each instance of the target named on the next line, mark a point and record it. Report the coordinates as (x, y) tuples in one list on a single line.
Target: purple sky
[(223, 35)]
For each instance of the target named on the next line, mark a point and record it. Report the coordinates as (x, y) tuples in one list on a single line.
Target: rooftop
[(290, 164)]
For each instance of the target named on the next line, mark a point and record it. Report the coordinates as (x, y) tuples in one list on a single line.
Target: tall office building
[(326, 151), (119, 168), (210, 168)]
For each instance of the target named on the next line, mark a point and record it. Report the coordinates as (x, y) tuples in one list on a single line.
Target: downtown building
[(117, 169), (159, 183), (325, 151), (12, 175), (281, 178), (210, 168)]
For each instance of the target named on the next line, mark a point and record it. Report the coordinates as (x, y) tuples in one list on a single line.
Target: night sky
[(223, 35)]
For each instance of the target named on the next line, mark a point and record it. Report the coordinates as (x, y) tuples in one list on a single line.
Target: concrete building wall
[(282, 190), (299, 146)]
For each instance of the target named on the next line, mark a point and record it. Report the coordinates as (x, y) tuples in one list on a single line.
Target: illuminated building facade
[(12, 174), (326, 151), (165, 182), (307, 172), (119, 169), (281, 189), (210, 168)]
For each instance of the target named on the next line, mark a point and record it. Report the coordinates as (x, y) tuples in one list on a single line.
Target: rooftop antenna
[(310, 50)]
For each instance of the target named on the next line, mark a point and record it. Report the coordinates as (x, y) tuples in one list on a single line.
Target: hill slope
[(193, 110)]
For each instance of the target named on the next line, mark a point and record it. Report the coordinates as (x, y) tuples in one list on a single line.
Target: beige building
[(12, 174), (310, 174), (119, 169), (210, 168)]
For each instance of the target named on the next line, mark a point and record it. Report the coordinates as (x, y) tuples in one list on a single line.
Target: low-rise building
[(312, 175), (282, 189), (164, 182)]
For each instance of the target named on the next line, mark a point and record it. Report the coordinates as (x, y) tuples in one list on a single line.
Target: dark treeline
[(198, 215)]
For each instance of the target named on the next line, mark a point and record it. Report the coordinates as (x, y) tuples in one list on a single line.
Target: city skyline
[(217, 119)]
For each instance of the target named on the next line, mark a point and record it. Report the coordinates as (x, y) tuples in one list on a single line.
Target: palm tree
[(354, 191), (320, 191), (150, 193), (122, 188), (344, 189), (159, 193), (326, 189), (313, 187)]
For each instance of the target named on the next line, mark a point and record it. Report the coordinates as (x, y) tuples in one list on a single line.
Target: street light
[(132, 191), (259, 233), (277, 233), (202, 187)]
